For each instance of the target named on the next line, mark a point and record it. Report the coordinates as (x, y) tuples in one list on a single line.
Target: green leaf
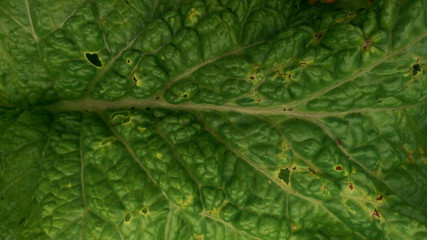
[(158, 119)]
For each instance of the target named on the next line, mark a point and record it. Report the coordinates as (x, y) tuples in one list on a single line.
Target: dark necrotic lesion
[(94, 59)]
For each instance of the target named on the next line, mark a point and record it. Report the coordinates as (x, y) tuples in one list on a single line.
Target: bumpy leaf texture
[(215, 119)]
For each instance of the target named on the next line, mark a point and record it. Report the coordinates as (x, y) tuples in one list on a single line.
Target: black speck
[(22, 221), (147, 108)]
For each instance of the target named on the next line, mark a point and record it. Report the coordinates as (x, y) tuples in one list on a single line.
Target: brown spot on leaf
[(339, 142), (350, 185), (338, 168), (375, 213), (379, 198), (410, 157), (366, 44)]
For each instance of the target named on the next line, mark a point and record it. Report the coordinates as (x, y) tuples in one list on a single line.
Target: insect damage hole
[(284, 175), (94, 59), (416, 68), (128, 217), (144, 211)]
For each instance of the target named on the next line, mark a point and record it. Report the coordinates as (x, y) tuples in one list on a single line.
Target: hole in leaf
[(284, 175), (318, 36), (128, 61), (144, 211), (185, 95), (94, 59), (147, 108), (128, 217), (416, 69)]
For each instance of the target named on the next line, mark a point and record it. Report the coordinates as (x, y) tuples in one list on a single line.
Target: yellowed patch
[(184, 203), (159, 155), (199, 236), (194, 15)]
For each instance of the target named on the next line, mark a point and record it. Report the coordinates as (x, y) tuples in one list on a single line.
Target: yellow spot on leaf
[(194, 15), (184, 203)]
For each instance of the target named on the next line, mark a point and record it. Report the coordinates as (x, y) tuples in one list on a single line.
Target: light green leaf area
[(216, 119)]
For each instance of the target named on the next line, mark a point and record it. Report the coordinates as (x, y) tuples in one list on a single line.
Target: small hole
[(148, 109), (185, 95), (128, 217), (318, 36), (144, 211), (128, 61), (416, 69), (284, 175), (94, 59), (134, 79)]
